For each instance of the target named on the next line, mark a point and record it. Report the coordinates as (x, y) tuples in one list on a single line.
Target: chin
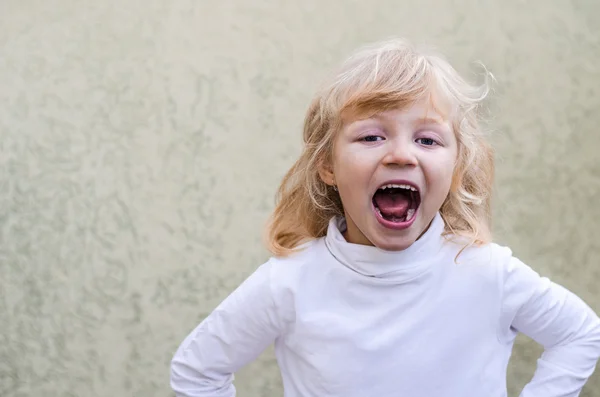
[(394, 243)]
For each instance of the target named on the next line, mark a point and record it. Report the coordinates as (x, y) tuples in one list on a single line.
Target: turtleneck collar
[(393, 266)]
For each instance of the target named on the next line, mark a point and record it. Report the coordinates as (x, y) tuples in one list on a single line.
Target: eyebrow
[(420, 120), (429, 120), (382, 118)]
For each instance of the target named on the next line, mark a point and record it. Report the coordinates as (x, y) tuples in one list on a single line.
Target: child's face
[(415, 148)]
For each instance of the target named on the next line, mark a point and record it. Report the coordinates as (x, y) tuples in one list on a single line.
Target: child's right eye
[(372, 138)]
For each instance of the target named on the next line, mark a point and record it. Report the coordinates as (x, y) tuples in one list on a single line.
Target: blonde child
[(384, 280)]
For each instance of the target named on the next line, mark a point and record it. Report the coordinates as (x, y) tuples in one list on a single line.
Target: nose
[(400, 153)]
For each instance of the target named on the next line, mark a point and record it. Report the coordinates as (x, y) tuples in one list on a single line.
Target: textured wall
[(141, 142)]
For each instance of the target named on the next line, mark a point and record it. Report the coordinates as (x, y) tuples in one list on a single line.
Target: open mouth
[(396, 204)]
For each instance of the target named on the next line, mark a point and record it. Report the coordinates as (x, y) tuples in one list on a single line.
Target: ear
[(326, 173)]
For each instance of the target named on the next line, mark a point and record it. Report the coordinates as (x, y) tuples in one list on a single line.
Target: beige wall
[(141, 142)]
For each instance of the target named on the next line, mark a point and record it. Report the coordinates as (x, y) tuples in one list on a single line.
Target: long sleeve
[(234, 334), (557, 319)]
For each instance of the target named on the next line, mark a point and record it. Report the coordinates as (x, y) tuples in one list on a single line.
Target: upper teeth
[(392, 185)]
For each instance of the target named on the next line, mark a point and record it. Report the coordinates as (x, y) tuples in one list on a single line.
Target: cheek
[(351, 165), (441, 177), (449, 167)]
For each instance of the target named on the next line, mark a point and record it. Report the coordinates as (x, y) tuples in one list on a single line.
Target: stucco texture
[(141, 143)]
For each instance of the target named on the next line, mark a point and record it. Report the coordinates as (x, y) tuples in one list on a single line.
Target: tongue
[(392, 203)]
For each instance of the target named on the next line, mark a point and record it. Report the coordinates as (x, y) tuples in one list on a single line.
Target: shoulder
[(301, 257), (287, 275), (492, 259), (288, 271), (489, 255), (484, 261)]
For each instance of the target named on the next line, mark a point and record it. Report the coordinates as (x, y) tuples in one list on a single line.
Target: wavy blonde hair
[(388, 75)]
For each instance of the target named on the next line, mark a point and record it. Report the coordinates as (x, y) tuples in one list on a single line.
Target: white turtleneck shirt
[(350, 320)]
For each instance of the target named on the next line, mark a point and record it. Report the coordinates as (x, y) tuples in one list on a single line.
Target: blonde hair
[(382, 76)]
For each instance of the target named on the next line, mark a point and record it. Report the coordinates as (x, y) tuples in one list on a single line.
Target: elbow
[(589, 342), (186, 376), (180, 379), (595, 338), (583, 346), (189, 378)]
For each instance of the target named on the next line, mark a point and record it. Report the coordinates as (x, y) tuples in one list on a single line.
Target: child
[(384, 281)]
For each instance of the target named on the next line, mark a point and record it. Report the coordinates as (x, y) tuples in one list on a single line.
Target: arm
[(234, 334), (557, 319)]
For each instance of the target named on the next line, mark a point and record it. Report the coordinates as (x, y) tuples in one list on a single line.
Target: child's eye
[(426, 141), (372, 138)]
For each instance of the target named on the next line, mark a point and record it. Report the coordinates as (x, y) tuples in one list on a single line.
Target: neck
[(392, 266)]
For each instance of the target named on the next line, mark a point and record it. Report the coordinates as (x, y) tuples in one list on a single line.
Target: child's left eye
[(426, 141)]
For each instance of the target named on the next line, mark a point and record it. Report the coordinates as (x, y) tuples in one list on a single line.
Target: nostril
[(402, 158)]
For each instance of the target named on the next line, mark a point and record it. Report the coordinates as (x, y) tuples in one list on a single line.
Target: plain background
[(141, 143)]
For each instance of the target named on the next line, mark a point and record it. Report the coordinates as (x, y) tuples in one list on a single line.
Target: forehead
[(422, 112)]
